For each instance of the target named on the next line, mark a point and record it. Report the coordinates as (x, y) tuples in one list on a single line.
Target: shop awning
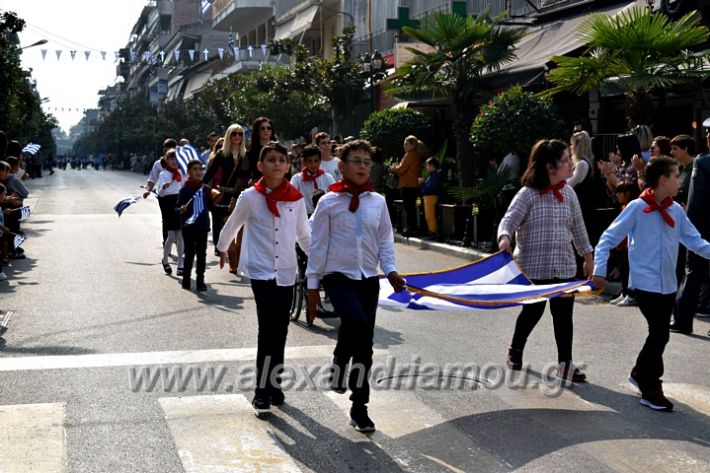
[(196, 83), (296, 25)]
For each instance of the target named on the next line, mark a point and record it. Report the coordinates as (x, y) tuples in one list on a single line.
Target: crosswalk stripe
[(107, 360), (32, 438), (221, 433)]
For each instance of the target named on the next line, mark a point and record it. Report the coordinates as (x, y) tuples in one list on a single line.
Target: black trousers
[(163, 205), (409, 200), (657, 309), (273, 303), (696, 272), (356, 304), (195, 248), (530, 315), (218, 215)]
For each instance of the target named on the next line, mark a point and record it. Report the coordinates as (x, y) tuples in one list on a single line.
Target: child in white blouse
[(169, 185), (274, 218)]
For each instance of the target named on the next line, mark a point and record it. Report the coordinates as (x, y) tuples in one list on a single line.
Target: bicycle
[(299, 299)]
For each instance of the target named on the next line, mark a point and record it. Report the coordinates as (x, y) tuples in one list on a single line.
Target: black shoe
[(180, 272), (216, 252), (360, 420), (186, 284), (338, 373), (515, 359), (568, 371), (201, 286), (277, 397), (167, 268), (261, 404), (674, 327)]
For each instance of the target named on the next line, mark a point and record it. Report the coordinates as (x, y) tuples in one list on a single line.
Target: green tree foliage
[(465, 48), (638, 49), (513, 121), (388, 129)]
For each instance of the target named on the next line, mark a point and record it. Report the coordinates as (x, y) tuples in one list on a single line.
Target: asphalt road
[(92, 311)]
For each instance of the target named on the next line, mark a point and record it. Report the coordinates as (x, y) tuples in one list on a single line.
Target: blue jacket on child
[(202, 221)]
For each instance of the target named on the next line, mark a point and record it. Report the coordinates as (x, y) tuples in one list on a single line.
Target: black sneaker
[(186, 284), (167, 268), (201, 285), (261, 404), (180, 272), (277, 397), (656, 401), (338, 375), (515, 359), (360, 420), (568, 371)]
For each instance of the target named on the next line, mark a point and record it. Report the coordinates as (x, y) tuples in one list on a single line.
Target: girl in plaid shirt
[(546, 219)]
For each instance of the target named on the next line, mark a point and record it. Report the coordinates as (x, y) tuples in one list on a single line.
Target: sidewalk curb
[(610, 288)]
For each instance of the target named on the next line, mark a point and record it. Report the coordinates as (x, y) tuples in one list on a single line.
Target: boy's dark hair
[(659, 166), (213, 135), (357, 145), (543, 152), (433, 161), (169, 144), (4, 166), (623, 187), (3, 189), (310, 150), (664, 144), (272, 146), (685, 142), (320, 136), (12, 161), (14, 148), (193, 163)]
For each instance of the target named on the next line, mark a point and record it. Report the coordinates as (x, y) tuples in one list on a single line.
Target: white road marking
[(32, 438), (221, 434)]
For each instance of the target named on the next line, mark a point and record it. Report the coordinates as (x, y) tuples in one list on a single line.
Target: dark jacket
[(698, 207), (230, 177), (203, 221), (432, 184)]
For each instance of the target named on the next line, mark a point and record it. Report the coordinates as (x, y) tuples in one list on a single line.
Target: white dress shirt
[(167, 177), (331, 167), (269, 242), (155, 172), (306, 188), (351, 243)]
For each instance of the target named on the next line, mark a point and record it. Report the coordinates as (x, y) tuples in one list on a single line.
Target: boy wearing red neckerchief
[(352, 235), (274, 218), (654, 225), (311, 177)]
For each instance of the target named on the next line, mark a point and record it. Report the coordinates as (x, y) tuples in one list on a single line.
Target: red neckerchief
[(649, 197), (284, 193), (193, 184), (177, 176), (343, 186), (307, 177), (556, 189)]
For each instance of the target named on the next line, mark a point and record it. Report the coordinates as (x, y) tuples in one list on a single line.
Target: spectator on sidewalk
[(409, 170), (431, 189)]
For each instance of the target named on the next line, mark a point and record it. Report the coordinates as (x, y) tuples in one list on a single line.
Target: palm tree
[(465, 48), (638, 49)]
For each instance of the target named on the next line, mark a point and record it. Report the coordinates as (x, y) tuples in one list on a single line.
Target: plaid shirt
[(544, 231)]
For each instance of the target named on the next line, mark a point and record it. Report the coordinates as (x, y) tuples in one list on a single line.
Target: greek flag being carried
[(19, 240), (198, 206), (491, 283), (125, 203), (25, 213), (185, 154), (31, 149)]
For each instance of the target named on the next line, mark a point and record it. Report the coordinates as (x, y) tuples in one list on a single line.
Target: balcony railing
[(518, 7)]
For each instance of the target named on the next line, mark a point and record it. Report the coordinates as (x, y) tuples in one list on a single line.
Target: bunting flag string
[(73, 54), (491, 283)]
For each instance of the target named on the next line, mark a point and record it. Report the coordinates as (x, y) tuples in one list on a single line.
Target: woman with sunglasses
[(262, 133), (229, 169)]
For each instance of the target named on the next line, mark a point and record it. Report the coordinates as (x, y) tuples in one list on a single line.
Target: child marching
[(194, 201), (169, 185), (311, 177)]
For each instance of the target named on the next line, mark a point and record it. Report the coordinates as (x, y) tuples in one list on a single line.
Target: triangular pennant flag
[(263, 49), (103, 55), (147, 56), (221, 53), (117, 55), (250, 48), (73, 54), (59, 53), (133, 56), (235, 52), (87, 54), (44, 54), (206, 53), (162, 56), (191, 52), (177, 54)]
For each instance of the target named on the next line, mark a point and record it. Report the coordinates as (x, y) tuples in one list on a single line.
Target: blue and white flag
[(185, 154), (125, 203), (491, 283), (198, 206), (31, 149), (19, 240), (25, 213)]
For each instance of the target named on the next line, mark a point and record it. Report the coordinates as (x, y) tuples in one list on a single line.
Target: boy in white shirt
[(352, 234), (311, 177), (274, 218), (329, 163)]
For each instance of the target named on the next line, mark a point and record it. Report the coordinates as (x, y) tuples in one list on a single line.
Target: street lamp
[(38, 43), (374, 67)]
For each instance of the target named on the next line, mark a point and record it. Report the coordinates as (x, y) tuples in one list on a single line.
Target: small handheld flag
[(19, 240), (25, 213), (198, 206), (31, 149), (125, 203)]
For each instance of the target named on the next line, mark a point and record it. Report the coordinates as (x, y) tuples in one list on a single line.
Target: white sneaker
[(618, 299), (3, 276), (628, 302)]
